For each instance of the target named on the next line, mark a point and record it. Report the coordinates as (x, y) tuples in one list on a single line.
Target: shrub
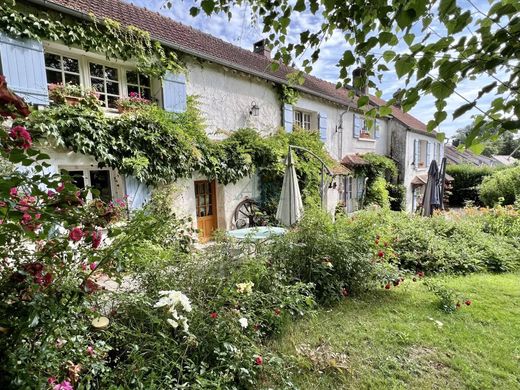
[(377, 193), (331, 256), (501, 187), (467, 179), (397, 193)]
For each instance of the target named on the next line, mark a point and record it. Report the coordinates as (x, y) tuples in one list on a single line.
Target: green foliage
[(397, 193), (287, 94), (339, 258), (380, 172), (377, 193), (105, 36), (467, 180), (436, 60), (502, 187), (448, 299)]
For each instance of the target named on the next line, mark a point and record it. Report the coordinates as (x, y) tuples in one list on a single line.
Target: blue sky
[(240, 32)]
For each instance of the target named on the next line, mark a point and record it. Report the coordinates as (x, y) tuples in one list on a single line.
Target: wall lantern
[(254, 110)]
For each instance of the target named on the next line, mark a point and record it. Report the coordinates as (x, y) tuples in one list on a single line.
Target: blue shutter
[(357, 125), (323, 126), (138, 193), (23, 66), (174, 92), (416, 152), (377, 131), (288, 117), (428, 153)]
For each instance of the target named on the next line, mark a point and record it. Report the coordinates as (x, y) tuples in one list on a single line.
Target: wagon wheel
[(247, 214)]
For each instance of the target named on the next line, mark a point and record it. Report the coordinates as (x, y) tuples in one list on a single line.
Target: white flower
[(245, 288), (175, 301), (243, 322), (172, 323)]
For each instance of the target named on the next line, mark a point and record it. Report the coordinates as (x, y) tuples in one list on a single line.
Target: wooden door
[(206, 203)]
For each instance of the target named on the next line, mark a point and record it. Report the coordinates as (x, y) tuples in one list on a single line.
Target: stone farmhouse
[(236, 88)]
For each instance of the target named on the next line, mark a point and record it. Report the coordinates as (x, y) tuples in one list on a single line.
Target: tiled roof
[(353, 160), (195, 42)]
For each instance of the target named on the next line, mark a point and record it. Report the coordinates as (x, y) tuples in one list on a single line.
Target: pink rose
[(93, 266), (50, 193), (52, 380), (60, 187), (90, 350), (13, 192), (21, 136), (76, 234), (26, 218), (65, 385)]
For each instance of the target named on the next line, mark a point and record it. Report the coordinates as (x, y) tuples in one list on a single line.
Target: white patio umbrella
[(290, 206)]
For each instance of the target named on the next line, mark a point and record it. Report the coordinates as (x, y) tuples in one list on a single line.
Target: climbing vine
[(104, 36), (159, 147), (288, 94)]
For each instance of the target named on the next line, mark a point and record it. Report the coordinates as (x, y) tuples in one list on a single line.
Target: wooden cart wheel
[(247, 214)]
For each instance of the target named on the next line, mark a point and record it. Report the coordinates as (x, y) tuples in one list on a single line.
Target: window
[(348, 188), (139, 84), (61, 69), (302, 119), (100, 179), (105, 80)]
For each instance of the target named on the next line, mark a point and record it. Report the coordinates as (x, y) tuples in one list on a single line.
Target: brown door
[(206, 202)]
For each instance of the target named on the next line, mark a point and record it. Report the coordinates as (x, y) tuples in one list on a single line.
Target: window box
[(365, 135)]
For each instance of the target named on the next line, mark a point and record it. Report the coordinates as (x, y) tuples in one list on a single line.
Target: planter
[(365, 135), (73, 100)]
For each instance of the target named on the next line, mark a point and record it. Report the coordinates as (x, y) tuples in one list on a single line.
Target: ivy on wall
[(288, 94), (159, 147), (104, 36)]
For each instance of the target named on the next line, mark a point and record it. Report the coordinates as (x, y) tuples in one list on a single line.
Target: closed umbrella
[(432, 192), (290, 206)]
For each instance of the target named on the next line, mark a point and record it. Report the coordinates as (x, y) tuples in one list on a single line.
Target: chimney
[(359, 79), (261, 48)]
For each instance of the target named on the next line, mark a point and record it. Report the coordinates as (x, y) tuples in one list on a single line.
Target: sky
[(240, 32)]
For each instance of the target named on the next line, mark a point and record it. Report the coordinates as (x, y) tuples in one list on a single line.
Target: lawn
[(398, 338)]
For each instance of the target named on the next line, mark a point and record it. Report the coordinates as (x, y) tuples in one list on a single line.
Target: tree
[(444, 45)]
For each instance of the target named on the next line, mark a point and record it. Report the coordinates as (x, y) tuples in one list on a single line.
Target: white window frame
[(139, 85), (106, 80), (423, 146), (62, 70), (302, 119), (348, 188), (86, 58), (86, 176)]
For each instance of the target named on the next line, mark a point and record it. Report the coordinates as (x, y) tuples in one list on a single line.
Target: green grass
[(390, 340)]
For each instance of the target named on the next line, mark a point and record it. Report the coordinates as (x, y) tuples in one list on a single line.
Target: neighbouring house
[(456, 156), (236, 88)]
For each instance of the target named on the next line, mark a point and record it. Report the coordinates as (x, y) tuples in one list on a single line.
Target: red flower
[(277, 311), (52, 380), (76, 234), (97, 236), (213, 315), (21, 136), (93, 266), (396, 282), (50, 193), (468, 302), (60, 187), (420, 274), (13, 192), (380, 253), (259, 361), (47, 279), (387, 286), (457, 305), (26, 218), (90, 350)]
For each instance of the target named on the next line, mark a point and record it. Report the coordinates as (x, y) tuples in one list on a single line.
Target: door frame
[(214, 215)]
